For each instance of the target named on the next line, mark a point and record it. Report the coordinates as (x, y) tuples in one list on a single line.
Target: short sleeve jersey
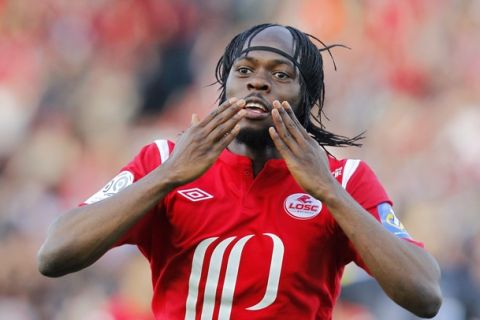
[(231, 245)]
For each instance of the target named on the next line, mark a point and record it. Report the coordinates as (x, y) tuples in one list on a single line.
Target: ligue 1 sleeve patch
[(120, 182), (390, 221)]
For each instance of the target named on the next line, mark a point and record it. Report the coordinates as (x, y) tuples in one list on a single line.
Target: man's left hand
[(306, 160)]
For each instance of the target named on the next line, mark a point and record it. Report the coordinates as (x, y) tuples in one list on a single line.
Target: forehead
[(275, 37)]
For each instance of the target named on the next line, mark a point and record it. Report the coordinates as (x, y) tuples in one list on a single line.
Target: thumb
[(195, 119)]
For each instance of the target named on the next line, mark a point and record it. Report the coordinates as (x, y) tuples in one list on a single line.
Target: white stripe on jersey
[(162, 146), (212, 279), (350, 167), (230, 280)]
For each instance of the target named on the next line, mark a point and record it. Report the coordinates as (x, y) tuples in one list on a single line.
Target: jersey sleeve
[(363, 185), (149, 158)]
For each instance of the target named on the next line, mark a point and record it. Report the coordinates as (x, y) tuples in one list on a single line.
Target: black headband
[(275, 50)]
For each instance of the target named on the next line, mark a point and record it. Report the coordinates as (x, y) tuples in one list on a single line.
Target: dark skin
[(273, 78), (81, 236), (408, 274)]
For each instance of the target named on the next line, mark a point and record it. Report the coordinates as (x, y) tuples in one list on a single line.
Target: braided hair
[(312, 85)]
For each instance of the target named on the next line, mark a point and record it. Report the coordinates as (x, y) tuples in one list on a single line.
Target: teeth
[(255, 105)]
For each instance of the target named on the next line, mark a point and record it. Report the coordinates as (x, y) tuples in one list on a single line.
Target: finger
[(225, 115), (225, 128), (227, 138), (225, 111), (282, 130), (281, 146), (289, 121), (217, 110), (292, 115), (180, 133), (195, 119)]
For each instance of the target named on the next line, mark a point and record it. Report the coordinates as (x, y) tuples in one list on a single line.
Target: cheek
[(230, 87), (294, 96)]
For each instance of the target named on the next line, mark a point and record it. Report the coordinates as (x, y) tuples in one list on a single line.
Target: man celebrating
[(246, 216)]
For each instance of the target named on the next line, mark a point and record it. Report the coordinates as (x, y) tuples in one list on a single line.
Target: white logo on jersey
[(302, 206), (230, 280), (120, 182), (195, 194), (337, 172)]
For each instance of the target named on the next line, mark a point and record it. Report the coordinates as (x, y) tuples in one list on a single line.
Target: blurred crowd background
[(84, 84)]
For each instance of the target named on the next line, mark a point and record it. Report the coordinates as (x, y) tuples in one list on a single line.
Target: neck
[(259, 154)]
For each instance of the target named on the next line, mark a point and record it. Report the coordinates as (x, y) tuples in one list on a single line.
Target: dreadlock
[(312, 85)]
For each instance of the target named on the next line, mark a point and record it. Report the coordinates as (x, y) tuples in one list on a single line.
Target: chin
[(255, 137)]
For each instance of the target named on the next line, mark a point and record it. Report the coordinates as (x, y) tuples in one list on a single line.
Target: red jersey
[(233, 246)]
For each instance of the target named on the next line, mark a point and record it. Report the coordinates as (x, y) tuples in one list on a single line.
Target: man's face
[(261, 77)]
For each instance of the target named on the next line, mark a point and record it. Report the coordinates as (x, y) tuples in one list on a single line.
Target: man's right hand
[(201, 144)]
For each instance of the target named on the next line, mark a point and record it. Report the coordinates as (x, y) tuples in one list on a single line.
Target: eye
[(281, 75), (244, 70)]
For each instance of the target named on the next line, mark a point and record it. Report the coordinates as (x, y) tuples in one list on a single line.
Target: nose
[(258, 83)]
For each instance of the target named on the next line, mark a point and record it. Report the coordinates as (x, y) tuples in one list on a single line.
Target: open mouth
[(256, 107)]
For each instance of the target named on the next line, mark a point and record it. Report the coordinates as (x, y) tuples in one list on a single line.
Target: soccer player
[(247, 216)]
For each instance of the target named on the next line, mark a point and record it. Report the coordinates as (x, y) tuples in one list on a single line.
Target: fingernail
[(241, 103)]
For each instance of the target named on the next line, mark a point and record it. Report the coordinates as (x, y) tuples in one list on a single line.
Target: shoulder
[(164, 148), (358, 178), (153, 154), (344, 170)]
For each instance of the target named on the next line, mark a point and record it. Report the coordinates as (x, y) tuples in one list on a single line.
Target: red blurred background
[(84, 84)]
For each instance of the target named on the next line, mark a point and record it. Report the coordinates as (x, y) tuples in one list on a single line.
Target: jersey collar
[(234, 159)]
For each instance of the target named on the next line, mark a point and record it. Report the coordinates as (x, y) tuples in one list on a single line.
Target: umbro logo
[(195, 194)]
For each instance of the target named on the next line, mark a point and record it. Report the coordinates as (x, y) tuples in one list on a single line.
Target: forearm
[(408, 274), (81, 236)]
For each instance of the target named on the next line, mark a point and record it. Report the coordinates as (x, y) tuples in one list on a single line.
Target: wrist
[(328, 193), (166, 178)]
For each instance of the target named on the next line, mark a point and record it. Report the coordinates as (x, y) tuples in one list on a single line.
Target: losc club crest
[(302, 206)]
